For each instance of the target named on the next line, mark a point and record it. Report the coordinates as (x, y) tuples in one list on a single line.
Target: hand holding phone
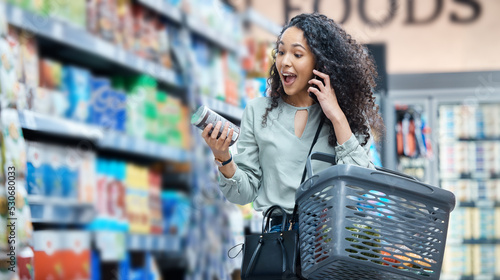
[(312, 95)]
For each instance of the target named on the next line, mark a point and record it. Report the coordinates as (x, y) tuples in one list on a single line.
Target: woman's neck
[(298, 100)]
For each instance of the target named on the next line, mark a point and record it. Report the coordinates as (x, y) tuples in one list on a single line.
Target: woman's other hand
[(218, 145)]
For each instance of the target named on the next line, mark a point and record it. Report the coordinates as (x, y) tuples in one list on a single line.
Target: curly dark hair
[(351, 70)]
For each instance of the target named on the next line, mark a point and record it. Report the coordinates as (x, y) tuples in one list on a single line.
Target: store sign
[(463, 12)]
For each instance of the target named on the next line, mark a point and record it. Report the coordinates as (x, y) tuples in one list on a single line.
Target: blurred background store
[(103, 177)]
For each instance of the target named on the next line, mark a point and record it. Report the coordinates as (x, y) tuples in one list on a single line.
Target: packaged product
[(92, 17), (69, 171), (116, 191), (51, 74), (107, 21), (53, 171), (87, 177), (48, 246), (101, 101), (26, 263), (125, 24), (76, 82), (13, 145), (102, 179), (34, 178), (9, 85), (75, 254), (15, 45), (164, 57), (23, 214), (4, 245)]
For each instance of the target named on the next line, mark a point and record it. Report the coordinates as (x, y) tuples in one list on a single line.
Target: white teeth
[(287, 74)]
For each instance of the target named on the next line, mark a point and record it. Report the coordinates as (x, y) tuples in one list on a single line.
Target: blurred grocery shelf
[(57, 125), (212, 35), (80, 39), (53, 210), (256, 18), (222, 107), (151, 242), (128, 144), (104, 139), (173, 13)]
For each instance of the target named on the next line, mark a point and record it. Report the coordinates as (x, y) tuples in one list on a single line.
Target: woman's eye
[(298, 55), (280, 52)]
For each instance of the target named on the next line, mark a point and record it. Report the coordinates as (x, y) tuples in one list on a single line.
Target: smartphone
[(312, 95)]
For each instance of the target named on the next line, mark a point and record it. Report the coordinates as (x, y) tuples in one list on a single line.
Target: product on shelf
[(457, 260), (137, 197), (51, 74), (75, 254), (26, 263), (9, 85), (76, 82), (87, 177), (155, 204), (176, 212), (13, 144), (35, 168), (53, 171)]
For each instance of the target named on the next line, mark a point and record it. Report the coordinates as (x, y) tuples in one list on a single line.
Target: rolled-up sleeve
[(242, 188), (351, 152)]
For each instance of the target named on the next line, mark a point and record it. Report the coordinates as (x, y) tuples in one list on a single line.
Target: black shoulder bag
[(274, 255)]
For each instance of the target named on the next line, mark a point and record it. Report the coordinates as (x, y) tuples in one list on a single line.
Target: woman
[(277, 131)]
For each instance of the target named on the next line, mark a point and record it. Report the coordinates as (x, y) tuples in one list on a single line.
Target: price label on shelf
[(140, 64), (121, 56), (29, 120), (57, 31), (104, 48)]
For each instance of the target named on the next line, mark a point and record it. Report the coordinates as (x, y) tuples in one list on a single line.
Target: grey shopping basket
[(360, 223)]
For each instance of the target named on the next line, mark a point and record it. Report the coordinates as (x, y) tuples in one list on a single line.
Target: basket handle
[(319, 156), (392, 172)]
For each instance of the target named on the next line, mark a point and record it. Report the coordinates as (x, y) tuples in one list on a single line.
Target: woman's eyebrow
[(293, 45)]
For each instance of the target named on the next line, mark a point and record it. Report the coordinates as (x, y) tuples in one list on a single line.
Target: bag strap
[(267, 217), (312, 145), (253, 258)]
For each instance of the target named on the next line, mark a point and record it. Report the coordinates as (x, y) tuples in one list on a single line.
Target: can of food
[(204, 116)]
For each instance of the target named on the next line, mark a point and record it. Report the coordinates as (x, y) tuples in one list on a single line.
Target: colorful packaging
[(26, 263), (101, 187), (30, 61), (75, 254), (87, 177), (53, 176), (51, 74), (101, 101), (34, 178), (40, 101), (14, 147), (48, 246), (69, 172), (9, 85), (155, 206), (107, 21), (77, 84), (116, 192)]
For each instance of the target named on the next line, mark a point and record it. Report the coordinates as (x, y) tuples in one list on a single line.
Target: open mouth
[(288, 78)]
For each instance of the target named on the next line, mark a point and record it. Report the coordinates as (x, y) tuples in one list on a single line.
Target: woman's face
[(294, 61)]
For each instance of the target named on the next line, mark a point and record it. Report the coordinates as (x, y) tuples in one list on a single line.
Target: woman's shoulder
[(259, 102), (258, 105)]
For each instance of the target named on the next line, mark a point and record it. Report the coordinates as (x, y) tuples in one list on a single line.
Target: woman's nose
[(286, 60)]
